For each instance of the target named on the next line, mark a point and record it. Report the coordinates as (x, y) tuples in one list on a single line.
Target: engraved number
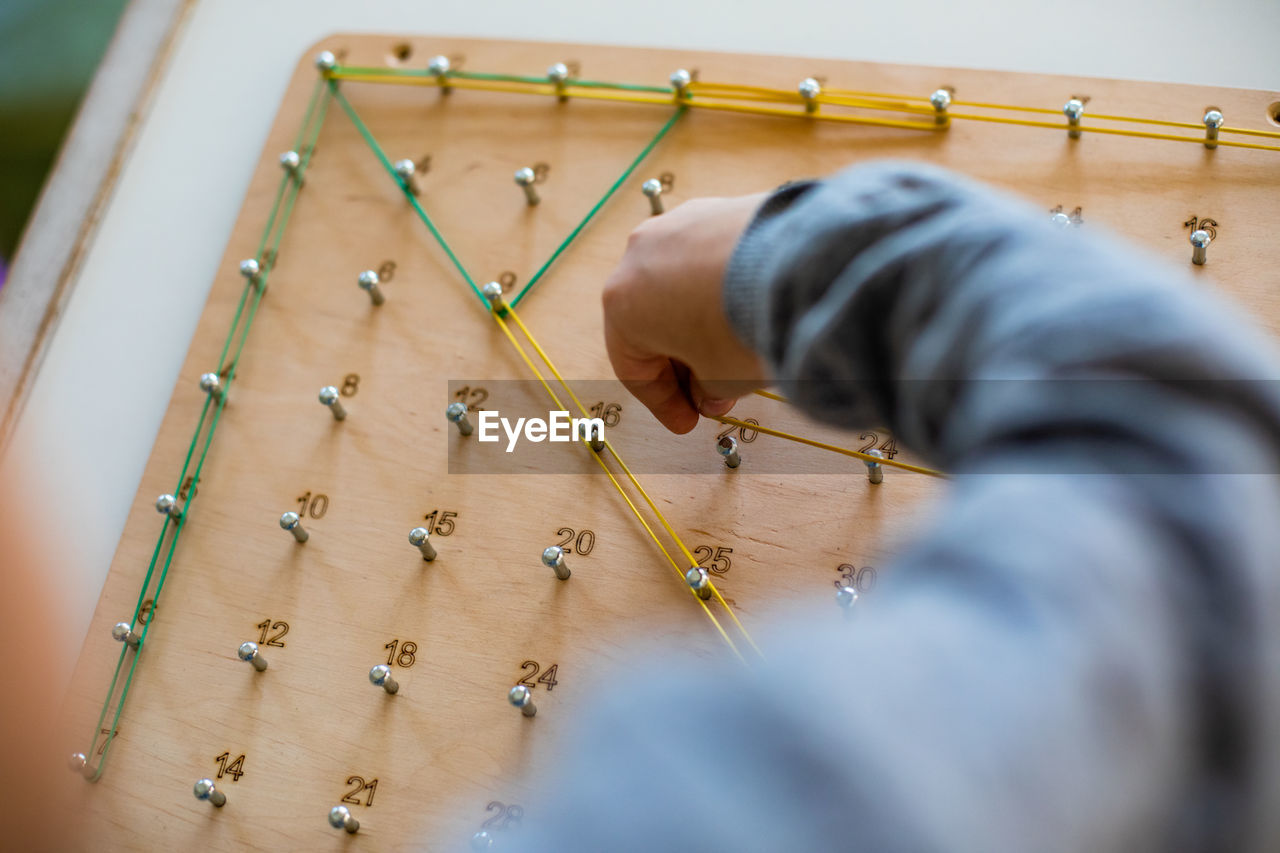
[(227, 766), (360, 786), (507, 279), (387, 269), (315, 506), (540, 173), (1076, 216), (584, 541), (668, 181), (1205, 224), (610, 413), (716, 560), (473, 397), (267, 626), (742, 431), (147, 610), (188, 488), (889, 447), (861, 579), (532, 679), (504, 816), (110, 736), (406, 657), (440, 521)]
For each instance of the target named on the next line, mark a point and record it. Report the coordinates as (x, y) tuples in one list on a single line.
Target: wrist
[(744, 296)]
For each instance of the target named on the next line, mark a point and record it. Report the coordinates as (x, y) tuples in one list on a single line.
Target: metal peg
[(680, 80), (846, 597), (493, 292), (810, 89), (727, 447), (340, 817), (559, 75), (211, 384), (78, 762), (292, 164), (380, 676), (593, 438), (438, 67), (329, 396), (524, 179), (875, 471), (326, 62), (252, 271), (420, 538), (1213, 120), (206, 791), (553, 558), (699, 581), (249, 653), (1073, 110), (482, 840), (457, 414), (405, 172), (168, 505), (368, 281), (122, 632), (292, 523), (522, 698), (941, 100), (652, 190), (1200, 241)]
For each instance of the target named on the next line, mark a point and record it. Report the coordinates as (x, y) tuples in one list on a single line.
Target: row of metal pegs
[(340, 817), (525, 178), (1199, 238), (809, 89)]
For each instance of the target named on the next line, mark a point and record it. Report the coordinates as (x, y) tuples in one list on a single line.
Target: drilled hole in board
[(1273, 113), (400, 53)]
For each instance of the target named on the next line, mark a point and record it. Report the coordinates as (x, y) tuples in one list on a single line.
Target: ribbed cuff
[(744, 290)]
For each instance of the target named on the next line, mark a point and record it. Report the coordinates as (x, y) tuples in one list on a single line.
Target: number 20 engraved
[(585, 540)]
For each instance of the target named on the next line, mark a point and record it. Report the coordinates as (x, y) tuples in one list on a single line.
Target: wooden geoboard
[(448, 758)]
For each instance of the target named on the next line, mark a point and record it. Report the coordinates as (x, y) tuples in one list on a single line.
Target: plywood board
[(448, 747)]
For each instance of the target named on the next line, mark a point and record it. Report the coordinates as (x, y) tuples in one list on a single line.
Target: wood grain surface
[(448, 745)]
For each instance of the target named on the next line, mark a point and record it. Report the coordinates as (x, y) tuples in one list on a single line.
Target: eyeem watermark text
[(558, 426)]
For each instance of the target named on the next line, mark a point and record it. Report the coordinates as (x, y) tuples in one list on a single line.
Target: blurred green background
[(49, 50)]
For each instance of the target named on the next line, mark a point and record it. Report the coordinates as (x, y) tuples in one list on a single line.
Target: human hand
[(664, 325)]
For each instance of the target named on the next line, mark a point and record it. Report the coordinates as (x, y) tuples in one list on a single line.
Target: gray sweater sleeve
[(1081, 653)]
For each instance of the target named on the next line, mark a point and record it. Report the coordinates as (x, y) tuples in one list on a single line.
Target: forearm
[(899, 294), (1128, 553)]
